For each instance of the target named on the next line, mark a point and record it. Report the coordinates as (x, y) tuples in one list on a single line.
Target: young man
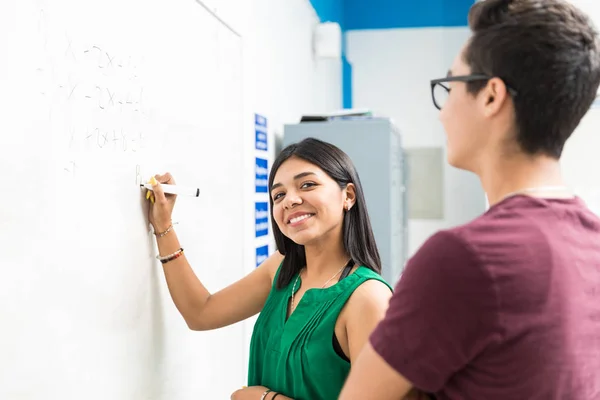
[(508, 305)]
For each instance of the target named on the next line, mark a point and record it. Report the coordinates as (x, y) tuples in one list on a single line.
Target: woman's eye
[(277, 196), (306, 185)]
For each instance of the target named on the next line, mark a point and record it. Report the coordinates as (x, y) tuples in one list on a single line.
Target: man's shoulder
[(525, 237), (446, 253), (469, 248), (514, 221)]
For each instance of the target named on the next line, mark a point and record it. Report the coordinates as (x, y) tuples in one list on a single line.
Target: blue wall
[(387, 14), (330, 10)]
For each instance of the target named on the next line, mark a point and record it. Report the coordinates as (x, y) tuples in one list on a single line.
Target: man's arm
[(442, 314)]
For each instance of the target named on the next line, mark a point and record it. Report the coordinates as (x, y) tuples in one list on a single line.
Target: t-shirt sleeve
[(442, 313)]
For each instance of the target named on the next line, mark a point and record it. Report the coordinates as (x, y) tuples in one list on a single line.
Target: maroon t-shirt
[(504, 307)]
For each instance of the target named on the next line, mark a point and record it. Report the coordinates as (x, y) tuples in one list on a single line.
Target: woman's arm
[(201, 309), (365, 308), (255, 393)]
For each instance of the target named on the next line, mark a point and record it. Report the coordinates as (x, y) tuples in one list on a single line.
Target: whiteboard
[(96, 97)]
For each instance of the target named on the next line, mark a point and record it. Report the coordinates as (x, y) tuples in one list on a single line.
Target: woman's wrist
[(162, 227)]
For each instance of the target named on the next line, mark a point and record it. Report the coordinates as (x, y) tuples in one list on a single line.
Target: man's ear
[(494, 95)]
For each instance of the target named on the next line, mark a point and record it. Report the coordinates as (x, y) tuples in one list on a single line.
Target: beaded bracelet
[(170, 257)]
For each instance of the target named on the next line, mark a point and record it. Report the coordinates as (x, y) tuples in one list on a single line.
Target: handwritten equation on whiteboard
[(93, 92)]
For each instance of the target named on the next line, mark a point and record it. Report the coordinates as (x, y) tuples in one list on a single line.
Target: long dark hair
[(358, 237)]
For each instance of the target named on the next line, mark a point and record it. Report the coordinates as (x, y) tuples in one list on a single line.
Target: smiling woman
[(319, 296), (316, 185), (309, 331)]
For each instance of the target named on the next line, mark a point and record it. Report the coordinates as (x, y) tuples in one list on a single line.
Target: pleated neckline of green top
[(296, 357)]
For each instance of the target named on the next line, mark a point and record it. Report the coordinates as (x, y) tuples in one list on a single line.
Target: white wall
[(391, 70), (285, 80), (282, 80), (580, 158)]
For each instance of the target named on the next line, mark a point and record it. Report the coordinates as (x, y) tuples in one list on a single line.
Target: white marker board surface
[(96, 97)]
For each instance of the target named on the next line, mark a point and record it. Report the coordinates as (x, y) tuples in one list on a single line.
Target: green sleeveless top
[(296, 357)]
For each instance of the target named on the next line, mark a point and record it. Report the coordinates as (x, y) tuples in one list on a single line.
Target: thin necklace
[(536, 189), (296, 281)]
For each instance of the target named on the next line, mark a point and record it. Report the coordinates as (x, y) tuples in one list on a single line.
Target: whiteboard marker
[(176, 189)]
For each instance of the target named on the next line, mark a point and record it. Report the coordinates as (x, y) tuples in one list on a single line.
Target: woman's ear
[(350, 196)]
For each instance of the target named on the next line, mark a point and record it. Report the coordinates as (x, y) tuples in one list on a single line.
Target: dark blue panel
[(346, 83), (386, 14), (329, 10), (262, 175), (261, 218), (262, 253)]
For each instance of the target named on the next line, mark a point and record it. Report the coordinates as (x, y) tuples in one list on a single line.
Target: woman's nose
[(292, 199)]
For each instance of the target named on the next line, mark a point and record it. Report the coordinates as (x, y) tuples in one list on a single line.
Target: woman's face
[(307, 203)]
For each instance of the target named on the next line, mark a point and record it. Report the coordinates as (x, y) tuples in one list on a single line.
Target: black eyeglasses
[(440, 91)]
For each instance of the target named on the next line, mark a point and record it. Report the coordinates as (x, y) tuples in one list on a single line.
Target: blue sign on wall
[(262, 175), (259, 120), (260, 128), (261, 216), (262, 253)]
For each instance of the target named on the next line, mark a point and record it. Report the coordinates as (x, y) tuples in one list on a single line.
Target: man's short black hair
[(549, 52)]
